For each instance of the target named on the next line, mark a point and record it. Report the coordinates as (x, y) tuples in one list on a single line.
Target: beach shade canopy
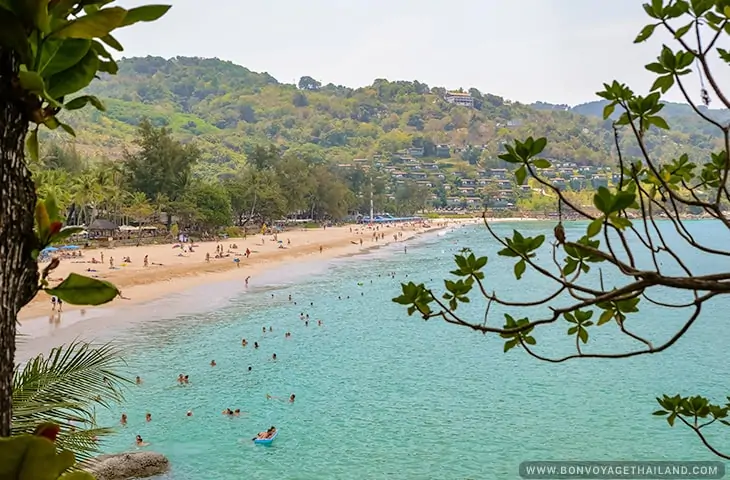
[(50, 249), (69, 247), (102, 225)]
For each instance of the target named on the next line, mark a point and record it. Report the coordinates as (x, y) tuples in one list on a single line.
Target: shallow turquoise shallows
[(380, 394)]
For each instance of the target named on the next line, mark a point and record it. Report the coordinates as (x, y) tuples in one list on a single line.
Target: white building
[(458, 98)]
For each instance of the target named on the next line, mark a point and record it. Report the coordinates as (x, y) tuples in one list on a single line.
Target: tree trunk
[(18, 270)]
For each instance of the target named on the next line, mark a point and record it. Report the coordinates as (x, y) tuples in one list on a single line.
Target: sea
[(381, 394)]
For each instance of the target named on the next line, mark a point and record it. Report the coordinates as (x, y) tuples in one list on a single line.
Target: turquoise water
[(383, 395)]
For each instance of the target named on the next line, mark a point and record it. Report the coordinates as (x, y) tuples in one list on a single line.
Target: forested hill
[(229, 109)]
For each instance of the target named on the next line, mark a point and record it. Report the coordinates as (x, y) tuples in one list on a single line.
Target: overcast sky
[(557, 51)]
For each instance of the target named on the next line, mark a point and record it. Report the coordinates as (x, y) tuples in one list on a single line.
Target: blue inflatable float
[(266, 441)]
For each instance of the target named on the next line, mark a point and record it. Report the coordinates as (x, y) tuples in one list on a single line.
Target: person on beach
[(207, 257), (60, 305), (320, 249), (212, 363), (247, 280), (140, 442), (146, 261), (53, 303), (111, 262), (148, 417), (123, 420)]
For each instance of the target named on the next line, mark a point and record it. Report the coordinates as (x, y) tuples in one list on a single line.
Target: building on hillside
[(443, 151), (458, 98), (416, 152)]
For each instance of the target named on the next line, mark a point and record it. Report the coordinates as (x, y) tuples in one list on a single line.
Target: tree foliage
[(623, 239)]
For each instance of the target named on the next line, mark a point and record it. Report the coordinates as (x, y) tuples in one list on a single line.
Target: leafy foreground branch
[(50, 50), (625, 213)]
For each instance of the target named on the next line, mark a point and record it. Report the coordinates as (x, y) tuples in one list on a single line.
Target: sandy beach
[(170, 270)]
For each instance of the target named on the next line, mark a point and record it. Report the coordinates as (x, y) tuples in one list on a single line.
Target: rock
[(125, 466)]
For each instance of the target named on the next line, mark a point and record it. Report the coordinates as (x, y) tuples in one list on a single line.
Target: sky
[(555, 51)]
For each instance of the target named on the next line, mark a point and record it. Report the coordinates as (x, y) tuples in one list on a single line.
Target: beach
[(170, 270)]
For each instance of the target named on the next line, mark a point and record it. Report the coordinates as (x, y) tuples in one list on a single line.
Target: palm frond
[(66, 387)]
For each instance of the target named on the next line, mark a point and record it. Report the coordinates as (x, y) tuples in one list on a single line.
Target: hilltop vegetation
[(229, 110)]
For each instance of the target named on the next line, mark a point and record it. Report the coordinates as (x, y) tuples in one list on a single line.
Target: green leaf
[(31, 144), (594, 228), (541, 163), (75, 78), (51, 207), (538, 146), (112, 42), (520, 175), (59, 55), (42, 221), (658, 122), (622, 201), (583, 335), (656, 67), (660, 412), (682, 31), (67, 128), (605, 317), (80, 102), (645, 33), (147, 13), (81, 290), (608, 110), (663, 83), (31, 82), (520, 268), (94, 25), (13, 36), (34, 12)]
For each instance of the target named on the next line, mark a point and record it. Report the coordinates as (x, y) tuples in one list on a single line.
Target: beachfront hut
[(101, 228)]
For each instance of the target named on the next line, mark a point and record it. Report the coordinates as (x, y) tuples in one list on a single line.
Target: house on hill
[(459, 98)]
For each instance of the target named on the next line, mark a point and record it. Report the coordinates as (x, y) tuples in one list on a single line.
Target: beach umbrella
[(70, 247), (50, 249)]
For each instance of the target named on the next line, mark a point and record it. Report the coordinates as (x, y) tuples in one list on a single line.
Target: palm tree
[(66, 387)]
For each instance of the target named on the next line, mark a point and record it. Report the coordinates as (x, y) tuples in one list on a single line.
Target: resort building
[(458, 98)]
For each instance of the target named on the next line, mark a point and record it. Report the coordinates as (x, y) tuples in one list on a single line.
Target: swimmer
[(244, 342), (180, 379), (189, 414), (186, 379), (249, 368), (140, 442), (123, 420), (255, 344), (148, 417), (273, 357), (264, 329), (138, 380), (212, 363), (319, 322), (271, 329)]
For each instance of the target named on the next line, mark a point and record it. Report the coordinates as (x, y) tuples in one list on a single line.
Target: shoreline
[(179, 273)]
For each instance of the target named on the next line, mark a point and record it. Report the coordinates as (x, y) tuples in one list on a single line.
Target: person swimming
[(255, 344), (123, 420), (140, 442), (273, 357), (244, 342), (138, 380), (266, 435), (148, 417), (212, 363)]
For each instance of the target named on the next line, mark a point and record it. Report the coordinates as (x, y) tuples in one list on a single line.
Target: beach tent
[(49, 249), (69, 247)]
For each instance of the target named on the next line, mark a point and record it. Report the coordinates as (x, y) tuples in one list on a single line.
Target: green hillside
[(228, 110)]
